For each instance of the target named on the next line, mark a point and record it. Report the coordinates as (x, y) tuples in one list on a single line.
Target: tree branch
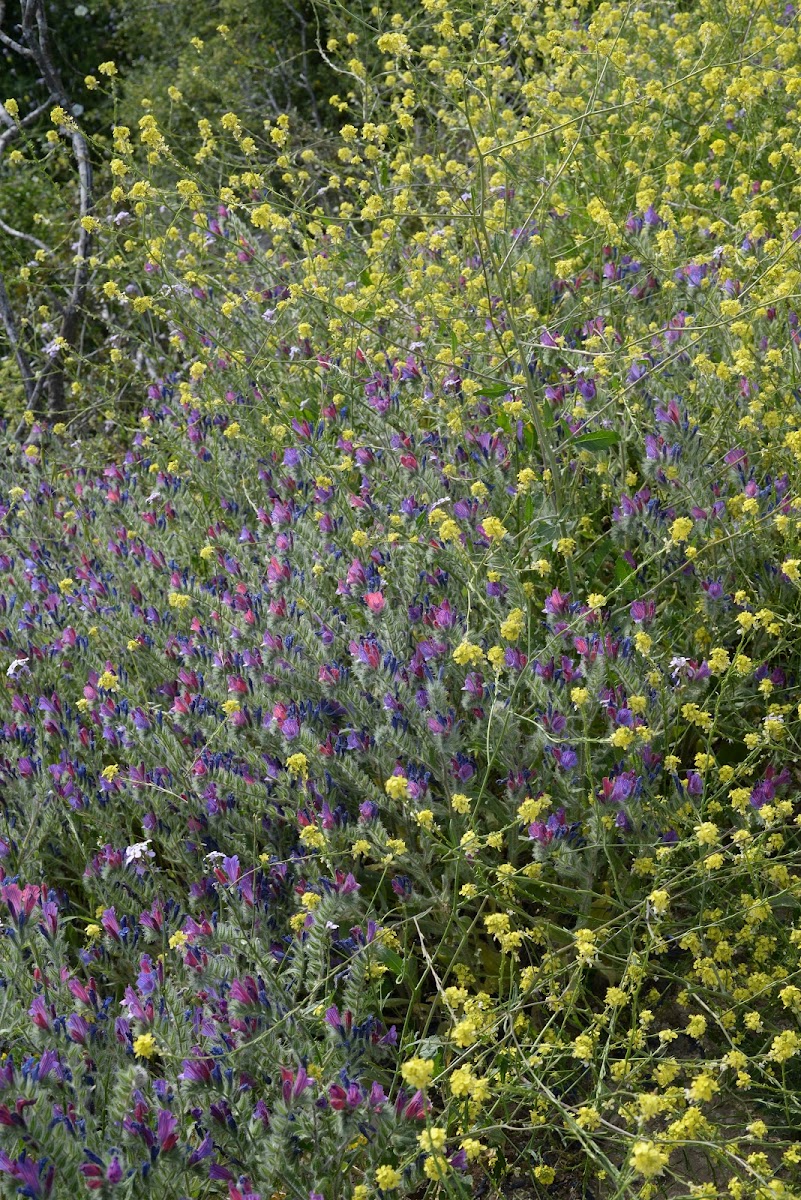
[(23, 362), (35, 43), (5, 40), (26, 237), (16, 127)]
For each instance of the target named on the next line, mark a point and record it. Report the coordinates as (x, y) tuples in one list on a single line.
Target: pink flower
[(375, 601)]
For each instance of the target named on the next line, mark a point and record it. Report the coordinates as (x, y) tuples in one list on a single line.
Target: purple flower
[(77, 1028), (166, 1130), (642, 611), (196, 1070), (110, 923), (566, 758), (557, 604), (544, 832), (294, 1084), (204, 1150), (40, 1013)]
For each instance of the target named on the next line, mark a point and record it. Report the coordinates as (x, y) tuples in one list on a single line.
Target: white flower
[(15, 668), (137, 852)]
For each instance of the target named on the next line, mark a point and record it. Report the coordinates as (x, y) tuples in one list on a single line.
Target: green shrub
[(403, 728)]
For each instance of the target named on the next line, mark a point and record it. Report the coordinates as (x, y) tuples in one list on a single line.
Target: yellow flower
[(583, 1048), (790, 997), (696, 1026), (467, 654), (178, 600), (707, 834), (496, 657), (785, 1045), (397, 787), (432, 1140), (465, 1032), (697, 716), (648, 1159), (298, 765), (178, 939), (387, 1178), (461, 1081), (393, 43), (110, 772), (718, 660), (513, 626), (681, 529), (418, 1072), (145, 1046), (494, 529), (435, 1166), (313, 837), (588, 1118), (616, 997), (703, 1087)]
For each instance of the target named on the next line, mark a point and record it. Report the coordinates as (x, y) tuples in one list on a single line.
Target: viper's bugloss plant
[(400, 737)]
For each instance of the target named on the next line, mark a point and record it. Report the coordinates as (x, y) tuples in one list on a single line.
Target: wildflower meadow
[(400, 612)]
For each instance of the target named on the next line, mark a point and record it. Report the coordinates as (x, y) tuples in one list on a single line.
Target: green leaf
[(495, 390), (395, 964), (600, 439)]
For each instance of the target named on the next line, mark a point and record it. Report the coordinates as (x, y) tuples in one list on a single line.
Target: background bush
[(401, 713)]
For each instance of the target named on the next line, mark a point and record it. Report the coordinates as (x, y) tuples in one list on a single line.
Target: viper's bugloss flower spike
[(399, 674)]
